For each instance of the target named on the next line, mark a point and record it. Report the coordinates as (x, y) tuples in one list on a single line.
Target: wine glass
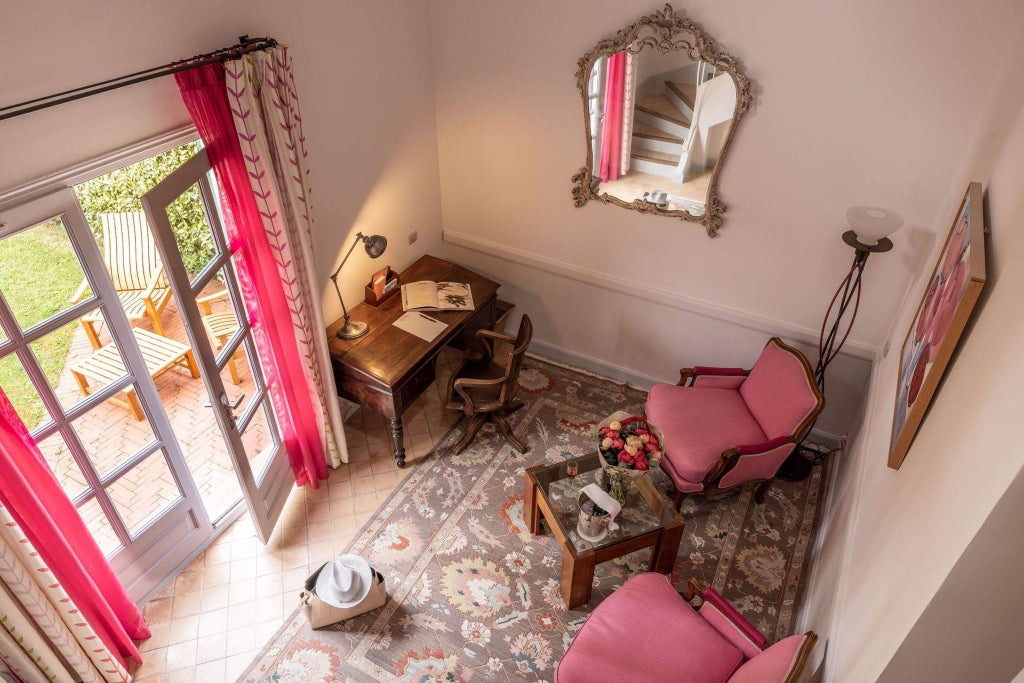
[(572, 468)]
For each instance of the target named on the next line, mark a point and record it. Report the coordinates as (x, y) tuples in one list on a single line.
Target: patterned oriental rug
[(474, 596)]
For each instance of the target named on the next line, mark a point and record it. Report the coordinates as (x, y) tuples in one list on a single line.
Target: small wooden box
[(391, 288)]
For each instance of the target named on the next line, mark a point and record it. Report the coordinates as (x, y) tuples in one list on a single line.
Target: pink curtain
[(614, 117), (38, 504), (203, 90)]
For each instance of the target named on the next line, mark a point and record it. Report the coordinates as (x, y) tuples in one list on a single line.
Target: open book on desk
[(437, 296)]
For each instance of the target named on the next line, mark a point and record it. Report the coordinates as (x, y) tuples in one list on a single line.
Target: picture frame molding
[(899, 444)]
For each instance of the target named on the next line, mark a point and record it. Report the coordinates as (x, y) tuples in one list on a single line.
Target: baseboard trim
[(853, 348)]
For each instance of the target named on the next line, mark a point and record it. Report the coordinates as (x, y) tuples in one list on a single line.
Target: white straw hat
[(345, 581)]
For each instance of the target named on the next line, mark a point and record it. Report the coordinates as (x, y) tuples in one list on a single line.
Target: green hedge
[(120, 190)]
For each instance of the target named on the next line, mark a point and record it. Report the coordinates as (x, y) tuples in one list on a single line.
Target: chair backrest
[(780, 391), (514, 363), (130, 251)]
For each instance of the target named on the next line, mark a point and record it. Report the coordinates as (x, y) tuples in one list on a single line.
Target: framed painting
[(952, 292)]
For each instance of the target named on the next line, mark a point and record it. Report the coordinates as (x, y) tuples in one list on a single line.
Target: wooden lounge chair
[(134, 265)]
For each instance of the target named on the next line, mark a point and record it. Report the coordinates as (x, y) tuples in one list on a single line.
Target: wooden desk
[(387, 369)]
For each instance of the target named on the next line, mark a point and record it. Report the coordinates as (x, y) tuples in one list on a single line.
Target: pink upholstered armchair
[(646, 633), (727, 426)]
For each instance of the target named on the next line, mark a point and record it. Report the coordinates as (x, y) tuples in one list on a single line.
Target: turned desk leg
[(397, 440)]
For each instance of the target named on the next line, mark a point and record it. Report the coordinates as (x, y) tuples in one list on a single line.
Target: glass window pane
[(111, 434), (40, 272), (144, 492), (192, 231), (259, 440), (212, 469), (72, 366), (98, 524), (15, 382), (58, 456)]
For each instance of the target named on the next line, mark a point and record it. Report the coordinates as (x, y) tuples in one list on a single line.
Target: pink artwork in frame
[(952, 292)]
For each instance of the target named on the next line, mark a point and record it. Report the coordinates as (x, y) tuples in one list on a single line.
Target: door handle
[(229, 407), (224, 401)]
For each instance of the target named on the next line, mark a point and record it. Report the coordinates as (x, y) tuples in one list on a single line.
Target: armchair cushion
[(778, 391), (686, 648), (774, 664), (699, 425)]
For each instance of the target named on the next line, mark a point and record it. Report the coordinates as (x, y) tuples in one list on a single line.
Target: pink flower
[(640, 462), (625, 458), (618, 444)]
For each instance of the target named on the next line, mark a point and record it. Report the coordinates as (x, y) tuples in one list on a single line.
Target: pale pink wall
[(858, 102), (365, 82), (895, 540)]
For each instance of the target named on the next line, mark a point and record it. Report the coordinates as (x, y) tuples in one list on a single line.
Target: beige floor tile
[(340, 490), (181, 655), (158, 610), (214, 598), (182, 630), (213, 622), (241, 640), (211, 647), (185, 605), (364, 503), (362, 486), (211, 672)]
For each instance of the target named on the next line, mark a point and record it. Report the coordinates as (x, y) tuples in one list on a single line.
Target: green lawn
[(39, 272)]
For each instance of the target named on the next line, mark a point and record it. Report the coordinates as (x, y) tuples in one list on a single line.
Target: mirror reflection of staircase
[(661, 122)]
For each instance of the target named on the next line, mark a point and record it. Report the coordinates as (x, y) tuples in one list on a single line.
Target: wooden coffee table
[(646, 520)]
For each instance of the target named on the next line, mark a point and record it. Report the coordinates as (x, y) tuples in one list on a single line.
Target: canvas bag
[(320, 613)]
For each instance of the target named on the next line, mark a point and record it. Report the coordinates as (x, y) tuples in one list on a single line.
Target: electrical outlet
[(413, 236)]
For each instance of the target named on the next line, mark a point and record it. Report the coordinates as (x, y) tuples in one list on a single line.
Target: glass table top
[(638, 515)]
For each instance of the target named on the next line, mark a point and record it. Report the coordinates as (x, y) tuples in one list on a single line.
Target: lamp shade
[(872, 223), (375, 245)]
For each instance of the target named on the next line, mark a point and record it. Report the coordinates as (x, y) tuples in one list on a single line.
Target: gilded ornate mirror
[(661, 102)]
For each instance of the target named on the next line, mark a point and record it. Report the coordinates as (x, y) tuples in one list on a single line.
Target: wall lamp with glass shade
[(870, 227), (375, 246)]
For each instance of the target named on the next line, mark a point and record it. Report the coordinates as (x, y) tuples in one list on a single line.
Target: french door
[(123, 469), (218, 328)]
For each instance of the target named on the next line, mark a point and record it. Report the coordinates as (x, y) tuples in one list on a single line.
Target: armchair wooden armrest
[(488, 350), (732, 456), (151, 285), (79, 293), (206, 302), (687, 376), (465, 386), (735, 625)]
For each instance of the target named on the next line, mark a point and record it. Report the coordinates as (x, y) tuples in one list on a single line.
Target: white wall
[(510, 135), (365, 85), (898, 541)]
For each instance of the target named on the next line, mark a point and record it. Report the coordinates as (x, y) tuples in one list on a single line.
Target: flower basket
[(629, 447)]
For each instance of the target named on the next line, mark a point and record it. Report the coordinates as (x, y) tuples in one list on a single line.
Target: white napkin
[(605, 502)]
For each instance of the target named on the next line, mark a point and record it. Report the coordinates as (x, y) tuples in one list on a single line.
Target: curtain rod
[(244, 46)]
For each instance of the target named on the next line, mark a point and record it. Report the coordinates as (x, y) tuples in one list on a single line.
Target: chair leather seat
[(699, 425)]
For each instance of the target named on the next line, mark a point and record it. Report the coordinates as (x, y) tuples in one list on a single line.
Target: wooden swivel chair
[(484, 386)]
